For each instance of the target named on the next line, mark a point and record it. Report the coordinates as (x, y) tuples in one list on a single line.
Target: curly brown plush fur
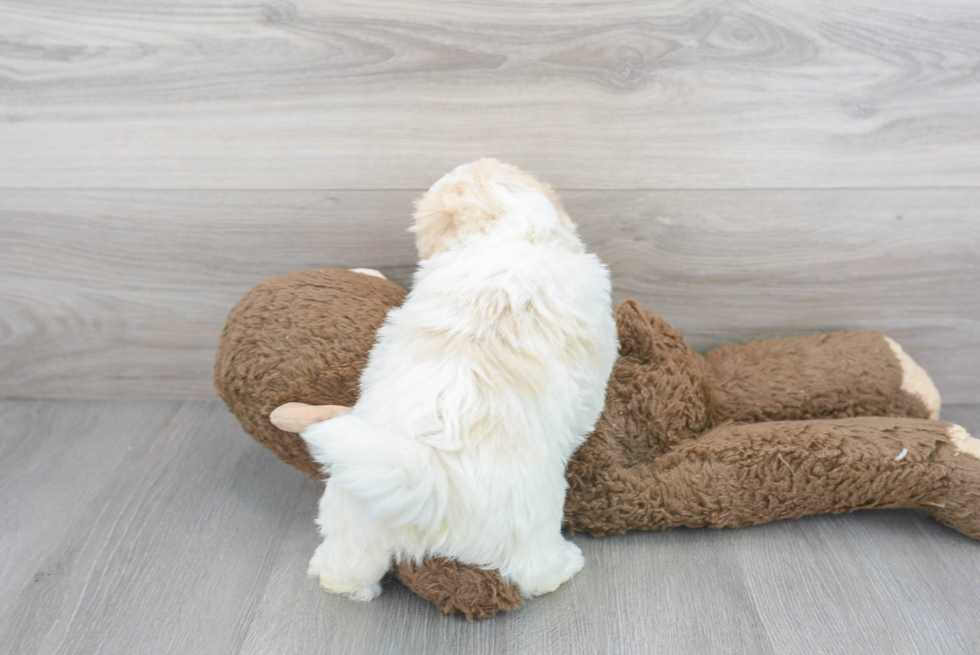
[(459, 589), (746, 434), (273, 350)]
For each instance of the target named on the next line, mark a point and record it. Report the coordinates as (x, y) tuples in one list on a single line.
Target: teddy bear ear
[(633, 330), (296, 417), (646, 337)]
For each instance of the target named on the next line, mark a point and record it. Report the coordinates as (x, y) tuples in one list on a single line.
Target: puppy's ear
[(434, 227)]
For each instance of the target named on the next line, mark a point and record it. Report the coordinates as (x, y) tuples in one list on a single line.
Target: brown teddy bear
[(746, 434)]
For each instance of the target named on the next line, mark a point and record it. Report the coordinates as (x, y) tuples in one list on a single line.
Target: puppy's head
[(483, 197)]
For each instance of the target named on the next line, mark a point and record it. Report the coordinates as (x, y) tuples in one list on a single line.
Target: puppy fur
[(477, 391)]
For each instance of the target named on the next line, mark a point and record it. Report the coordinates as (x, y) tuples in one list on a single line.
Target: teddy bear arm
[(746, 474), (818, 376), (456, 588)]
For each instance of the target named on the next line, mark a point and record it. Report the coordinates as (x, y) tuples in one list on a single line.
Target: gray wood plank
[(382, 94), (833, 581), (131, 528), (158, 527), (729, 266), (638, 594), (123, 293), (76, 445)]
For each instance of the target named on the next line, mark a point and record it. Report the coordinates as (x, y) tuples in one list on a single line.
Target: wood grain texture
[(159, 527), (389, 94), (123, 293), (116, 534)]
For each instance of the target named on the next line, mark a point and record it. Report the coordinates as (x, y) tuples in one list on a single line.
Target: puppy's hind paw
[(369, 592), (348, 588), (559, 567), (574, 561), (348, 580)]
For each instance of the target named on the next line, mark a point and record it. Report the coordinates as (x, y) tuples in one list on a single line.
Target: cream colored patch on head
[(466, 202), (916, 381), (963, 442)]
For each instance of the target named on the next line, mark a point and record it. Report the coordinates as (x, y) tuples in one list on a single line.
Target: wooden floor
[(159, 527)]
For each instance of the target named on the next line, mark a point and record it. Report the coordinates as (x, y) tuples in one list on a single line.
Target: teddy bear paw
[(960, 506), (963, 441), (916, 382)]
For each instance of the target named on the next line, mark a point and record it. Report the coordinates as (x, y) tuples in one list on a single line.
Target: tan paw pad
[(916, 381), (962, 441)]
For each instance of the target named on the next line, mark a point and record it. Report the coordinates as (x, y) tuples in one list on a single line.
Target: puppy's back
[(506, 342)]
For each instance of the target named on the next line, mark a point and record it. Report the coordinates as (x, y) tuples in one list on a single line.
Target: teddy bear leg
[(820, 376), (960, 508), (746, 474), (353, 557)]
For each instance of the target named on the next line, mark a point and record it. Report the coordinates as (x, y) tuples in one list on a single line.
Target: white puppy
[(478, 390)]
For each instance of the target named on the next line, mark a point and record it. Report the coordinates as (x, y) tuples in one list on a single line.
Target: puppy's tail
[(395, 479)]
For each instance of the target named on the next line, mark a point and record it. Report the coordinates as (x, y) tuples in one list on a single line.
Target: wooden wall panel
[(593, 95), (123, 293)]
